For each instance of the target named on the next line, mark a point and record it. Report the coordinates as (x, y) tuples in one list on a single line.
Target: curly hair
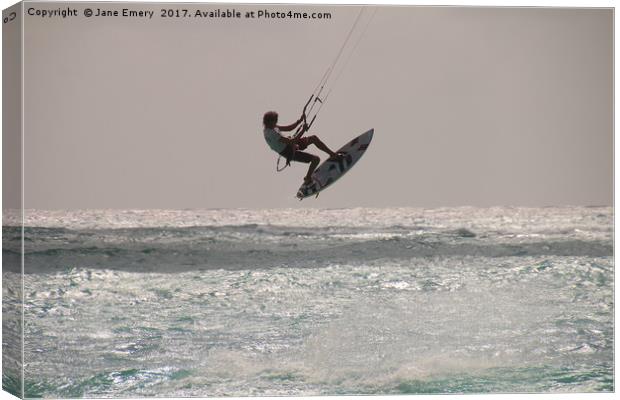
[(270, 118)]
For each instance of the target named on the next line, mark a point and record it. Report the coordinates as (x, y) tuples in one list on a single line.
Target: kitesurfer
[(290, 148)]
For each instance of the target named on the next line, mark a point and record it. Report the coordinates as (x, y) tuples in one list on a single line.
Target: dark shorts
[(298, 156)]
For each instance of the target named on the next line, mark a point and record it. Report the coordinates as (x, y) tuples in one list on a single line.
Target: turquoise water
[(242, 303)]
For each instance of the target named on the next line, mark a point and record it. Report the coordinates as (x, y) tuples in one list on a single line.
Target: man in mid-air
[(290, 148)]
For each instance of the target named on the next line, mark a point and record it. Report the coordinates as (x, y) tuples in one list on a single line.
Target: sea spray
[(256, 302)]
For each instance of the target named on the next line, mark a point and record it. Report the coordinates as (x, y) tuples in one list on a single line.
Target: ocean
[(237, 302)]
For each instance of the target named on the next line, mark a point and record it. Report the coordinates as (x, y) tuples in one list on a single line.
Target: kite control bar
[(306, 126), (303, 128)]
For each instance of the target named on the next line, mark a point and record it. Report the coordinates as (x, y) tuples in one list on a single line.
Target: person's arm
[(290, 127)]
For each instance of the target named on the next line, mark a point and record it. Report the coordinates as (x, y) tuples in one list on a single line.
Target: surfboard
[(333, 169)]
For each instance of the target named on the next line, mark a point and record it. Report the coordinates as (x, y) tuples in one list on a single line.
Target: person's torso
[(273, 136)]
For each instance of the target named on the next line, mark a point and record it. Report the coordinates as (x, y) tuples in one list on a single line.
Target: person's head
[(270, 119)]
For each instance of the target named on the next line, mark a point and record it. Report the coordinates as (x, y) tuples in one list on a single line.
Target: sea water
[(305, 302)]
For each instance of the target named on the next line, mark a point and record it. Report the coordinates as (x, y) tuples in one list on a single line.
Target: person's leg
[(307, 158), (318, 143), (288, 153)]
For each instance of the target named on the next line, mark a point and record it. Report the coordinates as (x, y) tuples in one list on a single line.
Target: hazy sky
[(471, 106)]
